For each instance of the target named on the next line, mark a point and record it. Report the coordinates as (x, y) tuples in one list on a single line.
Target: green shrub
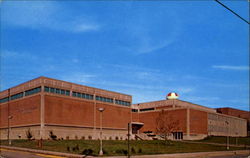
[(52, 135), (68, 148), (133, 150), (76, 148), (121, 151), (87, 152), (140, 150), (90, 137), (29, 134)]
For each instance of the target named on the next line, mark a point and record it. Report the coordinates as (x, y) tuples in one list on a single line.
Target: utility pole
[(227, 135), (101, 151), (9, 118), (128, 140)]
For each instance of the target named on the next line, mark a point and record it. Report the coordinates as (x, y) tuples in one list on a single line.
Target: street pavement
[(6, 153), (234, 156), (10, 152)]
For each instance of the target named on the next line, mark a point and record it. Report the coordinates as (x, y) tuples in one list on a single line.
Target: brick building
[(236, 113), (194, 121), (71, 111)]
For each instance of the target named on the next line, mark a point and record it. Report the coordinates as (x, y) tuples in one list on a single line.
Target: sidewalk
[(177, 155), (190, 155)]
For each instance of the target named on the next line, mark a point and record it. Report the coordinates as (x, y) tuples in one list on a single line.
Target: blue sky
[(143, 48)]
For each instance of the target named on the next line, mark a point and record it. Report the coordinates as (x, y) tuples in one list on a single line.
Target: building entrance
[(178, 135)]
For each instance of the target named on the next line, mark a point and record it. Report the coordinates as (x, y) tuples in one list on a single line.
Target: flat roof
[(45, 80)]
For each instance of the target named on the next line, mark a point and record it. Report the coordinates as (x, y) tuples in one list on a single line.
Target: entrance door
[(178, 135)]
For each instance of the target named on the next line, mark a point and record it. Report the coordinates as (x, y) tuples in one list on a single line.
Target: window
[(120, 102), (58, 91), (134, 110), (32, 91), (67, 92), (62, 91), (79, 95), (104, 99), (3, 100), (82, 95), (16, 96), (46, 89), (147, 109), (52, 90)]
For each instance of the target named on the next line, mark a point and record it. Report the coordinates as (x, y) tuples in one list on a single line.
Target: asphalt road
[(20, 154), (234, 156), (6, 153)]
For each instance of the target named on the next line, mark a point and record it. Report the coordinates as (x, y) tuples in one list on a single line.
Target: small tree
[(165, 124), (29, 134), (52, 135)]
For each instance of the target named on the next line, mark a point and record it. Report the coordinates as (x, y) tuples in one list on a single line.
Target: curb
[(177, 155), (190, 155), (45, 152)]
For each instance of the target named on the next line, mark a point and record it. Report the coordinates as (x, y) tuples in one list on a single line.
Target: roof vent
[(172, 95)]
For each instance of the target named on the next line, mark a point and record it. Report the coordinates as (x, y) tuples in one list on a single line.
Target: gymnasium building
[(72, 111)]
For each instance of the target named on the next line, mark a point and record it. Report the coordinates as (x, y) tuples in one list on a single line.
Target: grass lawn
[(223, 140), (119, 147)]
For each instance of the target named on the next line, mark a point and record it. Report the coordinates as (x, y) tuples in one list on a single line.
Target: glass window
[(83, 95), (67, 92), (79, 95), (74, 94), (62, 91), (57, 91), (46, 89), (52, 90), (16, 96), (91, 97), (38, 89), (3, 100), (87, 96)]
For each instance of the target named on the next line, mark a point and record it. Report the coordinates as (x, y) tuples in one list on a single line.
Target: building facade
[(191, 121), (236, 113), (70, 111)]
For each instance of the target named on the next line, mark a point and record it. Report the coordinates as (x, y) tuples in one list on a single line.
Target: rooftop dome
[(172, 95)]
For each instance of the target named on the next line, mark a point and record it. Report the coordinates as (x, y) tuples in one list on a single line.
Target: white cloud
[(198, 99), (86, 27), (78, 78), (44, 15), (149, 33), (231, 67), (8, 55)]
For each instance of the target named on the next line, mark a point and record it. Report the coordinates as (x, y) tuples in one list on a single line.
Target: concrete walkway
[(178, 155)]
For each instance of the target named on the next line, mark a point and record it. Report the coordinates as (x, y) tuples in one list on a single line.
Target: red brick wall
[(3, 115), (74, 111), (149, 119), (165, 107), (198, 122), (24, 111), (135, 117), (60, 110), (235, 112), (114, 116)]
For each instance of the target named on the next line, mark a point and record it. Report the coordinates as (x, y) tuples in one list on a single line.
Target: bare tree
[(165, 124)]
